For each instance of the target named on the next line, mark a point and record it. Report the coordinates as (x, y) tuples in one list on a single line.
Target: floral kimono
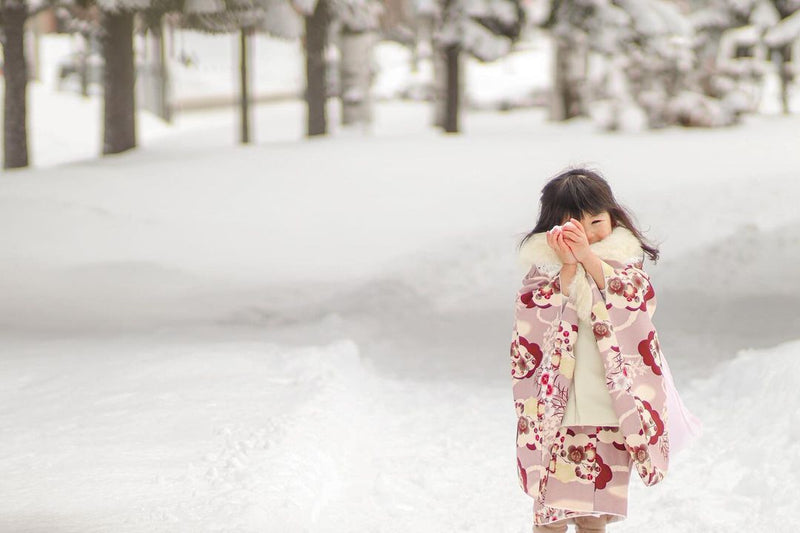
[(574, 471)]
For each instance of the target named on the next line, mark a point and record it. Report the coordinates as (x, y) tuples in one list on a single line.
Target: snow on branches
[(486, 29)]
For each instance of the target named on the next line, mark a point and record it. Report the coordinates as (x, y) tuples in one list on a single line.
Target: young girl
[(591, 386)]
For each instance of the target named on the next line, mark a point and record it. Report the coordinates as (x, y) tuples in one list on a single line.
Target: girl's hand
[(575, 237), (555, 239)]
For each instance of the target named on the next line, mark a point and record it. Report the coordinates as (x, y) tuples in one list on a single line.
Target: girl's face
[(597, 227)]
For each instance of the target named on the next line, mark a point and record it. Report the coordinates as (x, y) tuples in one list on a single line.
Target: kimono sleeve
[(622, 321), (538, 303), (542, 363)]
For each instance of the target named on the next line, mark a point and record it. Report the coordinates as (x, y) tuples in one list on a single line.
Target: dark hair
[(578, 192)]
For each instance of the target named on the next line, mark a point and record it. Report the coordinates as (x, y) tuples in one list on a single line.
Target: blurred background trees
[(665, 62)]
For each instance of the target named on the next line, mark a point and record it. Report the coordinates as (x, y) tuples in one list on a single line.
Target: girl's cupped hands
[(576, 239), (555, 239)]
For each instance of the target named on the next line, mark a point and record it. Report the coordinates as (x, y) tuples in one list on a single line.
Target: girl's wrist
[(589, 256)]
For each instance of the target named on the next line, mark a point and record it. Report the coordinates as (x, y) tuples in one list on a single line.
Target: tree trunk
[(35, 72), (163, 78), (316, 87), (119, 77), (453, 105), (157, 65), (439, 60), (355, 76), (15, 129), (568, 78), (784, 58), (83, 65), (244, 84)]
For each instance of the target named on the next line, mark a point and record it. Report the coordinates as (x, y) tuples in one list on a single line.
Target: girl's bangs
[(577, 205)]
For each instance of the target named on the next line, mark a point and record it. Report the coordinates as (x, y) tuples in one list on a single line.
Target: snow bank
[(768, 256), (735, 475), (241, 436), (176, 436)]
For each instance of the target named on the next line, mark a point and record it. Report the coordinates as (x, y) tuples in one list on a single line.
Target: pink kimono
[(584, 470)]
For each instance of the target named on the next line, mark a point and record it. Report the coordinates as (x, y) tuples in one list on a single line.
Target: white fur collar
[(621, 246)]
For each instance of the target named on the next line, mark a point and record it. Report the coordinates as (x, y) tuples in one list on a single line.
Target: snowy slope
[(296, 212)]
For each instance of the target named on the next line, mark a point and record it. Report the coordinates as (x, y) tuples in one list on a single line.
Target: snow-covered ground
[(313, 336)]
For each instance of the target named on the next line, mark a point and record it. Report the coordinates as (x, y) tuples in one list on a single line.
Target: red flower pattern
[(650, 350), (541, 295), (653, 425), (601, 329), (639, 453), (526, 357)]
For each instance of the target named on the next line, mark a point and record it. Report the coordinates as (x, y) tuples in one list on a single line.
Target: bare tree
[(245, 35), (119, 111), (452, 106), (484, 29), (279, 18), (15, 74), (316, 39)]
